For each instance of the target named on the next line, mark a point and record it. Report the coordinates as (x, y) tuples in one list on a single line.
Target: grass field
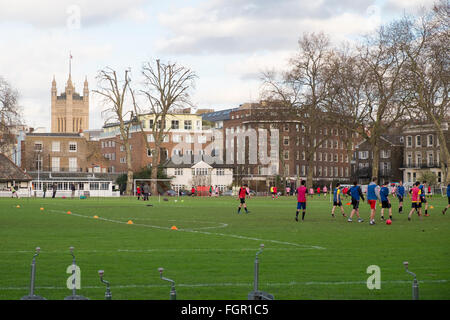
[(211, 255)]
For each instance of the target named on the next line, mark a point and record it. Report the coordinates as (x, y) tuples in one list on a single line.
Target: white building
[(199, 174)]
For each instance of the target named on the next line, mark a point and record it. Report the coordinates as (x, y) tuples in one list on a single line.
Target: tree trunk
[(375, 159), (129, 190), (445, 157), (310, 174), (155, 164)]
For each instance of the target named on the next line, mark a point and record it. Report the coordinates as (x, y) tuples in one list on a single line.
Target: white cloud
[(50, 13)]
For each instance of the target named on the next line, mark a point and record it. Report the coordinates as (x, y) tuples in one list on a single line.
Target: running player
[(400, 194), (242, 193), (373, 194), (356, 194), (448, 197), (415, 201), (423, 198), (337, 200), (385, 203), (301, 200)]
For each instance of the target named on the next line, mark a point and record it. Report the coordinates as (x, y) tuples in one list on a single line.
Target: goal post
[(161, 184)]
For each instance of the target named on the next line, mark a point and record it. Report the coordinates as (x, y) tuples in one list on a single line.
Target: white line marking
[(230, 284), (201, 232)]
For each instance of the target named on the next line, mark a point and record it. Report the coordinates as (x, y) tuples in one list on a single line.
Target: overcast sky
[(226, 42)]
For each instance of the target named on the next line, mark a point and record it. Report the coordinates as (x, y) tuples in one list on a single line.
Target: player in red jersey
[(301, 200), (243, 192)]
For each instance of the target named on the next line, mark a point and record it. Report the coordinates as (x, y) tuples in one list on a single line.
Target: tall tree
[(368, 87), (10, 114), (304, 87), (115, 94), (166, 86), (428, 74)]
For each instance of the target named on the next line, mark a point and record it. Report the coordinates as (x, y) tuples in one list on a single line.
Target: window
[(72, 164), (430, 159), (189, 139), (198, 125), (346, 172), (165, 138), (297, 155), (94, 186), (175, 124), (363, 155), (418, 159), (176, 138), (202, 139), (409, 141), (430, 140), (286, 127), (335, 157), (286, 141), (178, 171), (55, 164), (176, 152), (320, 156), (200, 171), (187, 125), (104, 186), (56, 146), (149, 153), (220, 172), (150, 138), (418, 141), (150, 122), (286, 155), (38, 146), (123, 160), (336, 173), (385, 154), (72, 147), (303, 155)]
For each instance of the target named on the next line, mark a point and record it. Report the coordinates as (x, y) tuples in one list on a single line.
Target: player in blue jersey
[(423, 198), (337, 201), (448, 197), (400, 192), (356, 194), (385, 203), (373, 194)]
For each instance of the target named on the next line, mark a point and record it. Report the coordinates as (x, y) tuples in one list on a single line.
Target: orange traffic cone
[(130, 222), (68, 212), (174, 228)]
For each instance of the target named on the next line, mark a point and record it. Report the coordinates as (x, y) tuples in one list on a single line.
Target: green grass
[(212, 254)]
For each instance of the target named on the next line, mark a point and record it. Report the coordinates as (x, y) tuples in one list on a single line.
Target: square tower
[(70, 110)]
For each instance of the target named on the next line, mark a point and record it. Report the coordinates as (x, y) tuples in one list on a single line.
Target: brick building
[(62, 152), (421, 151), (286, 147), (185, 137), (390, 160)]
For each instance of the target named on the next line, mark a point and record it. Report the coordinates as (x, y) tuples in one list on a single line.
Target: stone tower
[(70, 111)]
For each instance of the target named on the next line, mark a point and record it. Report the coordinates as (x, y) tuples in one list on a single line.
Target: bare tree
[(428, 74), (114, 93), (167, 86), (304, 87), (368, 87), (10, 114)]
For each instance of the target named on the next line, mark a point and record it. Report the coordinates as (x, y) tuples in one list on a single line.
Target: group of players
[(374, 193)]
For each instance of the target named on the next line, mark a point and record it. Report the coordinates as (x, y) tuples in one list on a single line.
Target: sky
[(227, 43)]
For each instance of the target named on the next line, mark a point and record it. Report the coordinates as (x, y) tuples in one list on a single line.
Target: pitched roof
[(10, 172), (192, 161)]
